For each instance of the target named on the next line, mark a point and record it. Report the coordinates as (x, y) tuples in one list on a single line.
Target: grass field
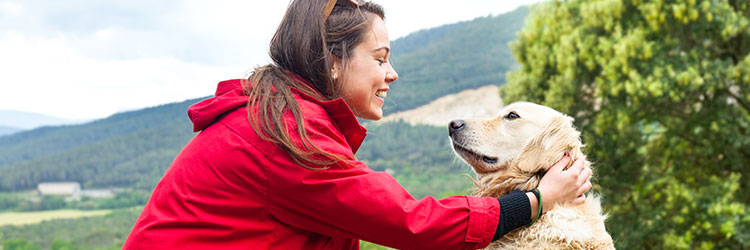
[(25, 218)]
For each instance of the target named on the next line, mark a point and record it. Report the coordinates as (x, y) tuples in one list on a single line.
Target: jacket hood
[(229, 96)]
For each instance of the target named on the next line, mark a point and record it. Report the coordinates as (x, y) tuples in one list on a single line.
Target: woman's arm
[(356, 202)]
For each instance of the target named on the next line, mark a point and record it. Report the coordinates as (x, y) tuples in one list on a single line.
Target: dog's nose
[(456, 125)]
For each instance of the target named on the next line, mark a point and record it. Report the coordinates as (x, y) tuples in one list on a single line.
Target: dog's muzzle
[(455, 126)]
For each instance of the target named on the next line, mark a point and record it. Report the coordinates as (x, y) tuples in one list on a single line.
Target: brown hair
[(304, 45)]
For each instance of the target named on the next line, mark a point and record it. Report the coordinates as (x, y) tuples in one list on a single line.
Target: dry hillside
[(481, 102)]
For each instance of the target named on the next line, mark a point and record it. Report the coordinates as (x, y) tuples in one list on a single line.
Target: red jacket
[(230, 189)]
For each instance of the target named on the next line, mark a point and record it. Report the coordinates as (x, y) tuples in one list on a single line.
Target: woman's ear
[(336, 68)]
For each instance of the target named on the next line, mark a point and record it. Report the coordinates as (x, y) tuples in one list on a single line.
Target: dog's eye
[(512, 116)]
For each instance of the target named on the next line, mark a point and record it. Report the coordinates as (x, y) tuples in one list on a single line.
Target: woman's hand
[(561, 185)]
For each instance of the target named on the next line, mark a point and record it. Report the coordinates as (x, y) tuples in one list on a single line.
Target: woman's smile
[(368, 73)]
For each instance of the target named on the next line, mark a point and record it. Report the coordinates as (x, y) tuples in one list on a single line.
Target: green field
[(25, 218)]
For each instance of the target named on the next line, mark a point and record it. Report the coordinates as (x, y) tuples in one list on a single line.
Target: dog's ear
[(547, 147)]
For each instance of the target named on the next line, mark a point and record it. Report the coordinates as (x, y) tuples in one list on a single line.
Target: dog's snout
[(456, 125)]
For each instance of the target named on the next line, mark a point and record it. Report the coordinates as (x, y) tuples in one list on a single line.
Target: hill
[(28, 120), (451, 58), (481, 102), (127, 149), (133, 149), (6, 130)]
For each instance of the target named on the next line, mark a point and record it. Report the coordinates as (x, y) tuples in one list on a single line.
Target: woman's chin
[(373, 116)]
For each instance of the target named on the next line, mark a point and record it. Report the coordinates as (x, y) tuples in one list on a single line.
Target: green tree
[(58, 244), (51, 202), (661, 91), (19, 244)]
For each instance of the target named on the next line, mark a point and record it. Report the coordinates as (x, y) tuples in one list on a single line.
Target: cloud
[(10, 8), (197, 31), (44, 82), (404, 17), (77, 60)]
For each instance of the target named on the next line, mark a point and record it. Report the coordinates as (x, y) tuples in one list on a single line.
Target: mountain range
[(6, 130), (133, 149), (19, 120)]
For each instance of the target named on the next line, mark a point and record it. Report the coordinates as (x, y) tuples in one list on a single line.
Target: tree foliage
[(46, 141), (23, 203), (661, 91), (131, 149)]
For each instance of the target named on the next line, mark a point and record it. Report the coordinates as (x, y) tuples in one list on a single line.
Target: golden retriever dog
[(512, 152)]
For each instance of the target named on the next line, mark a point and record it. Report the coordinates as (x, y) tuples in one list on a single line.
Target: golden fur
[(508, 153)]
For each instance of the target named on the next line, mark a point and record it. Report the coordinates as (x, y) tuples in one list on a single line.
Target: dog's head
[(517, 146)]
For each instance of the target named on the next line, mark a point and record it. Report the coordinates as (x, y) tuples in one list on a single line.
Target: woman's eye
[(381, 61), (512, 116)]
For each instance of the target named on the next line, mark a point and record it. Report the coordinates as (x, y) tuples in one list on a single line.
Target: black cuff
[(515, 212)]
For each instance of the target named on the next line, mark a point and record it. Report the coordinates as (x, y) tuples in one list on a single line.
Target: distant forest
[(130, 149)]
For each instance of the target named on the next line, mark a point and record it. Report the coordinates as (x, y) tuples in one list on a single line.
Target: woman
[(274, 165)]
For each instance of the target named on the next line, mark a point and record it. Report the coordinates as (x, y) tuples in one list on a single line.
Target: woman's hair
[(304, 44)]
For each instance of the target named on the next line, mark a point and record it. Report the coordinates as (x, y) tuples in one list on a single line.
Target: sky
[(88, 59)]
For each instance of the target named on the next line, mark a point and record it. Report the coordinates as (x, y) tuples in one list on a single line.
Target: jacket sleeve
[(357, 202)]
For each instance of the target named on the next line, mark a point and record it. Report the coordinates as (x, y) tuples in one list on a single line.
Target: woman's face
[(369, 73)]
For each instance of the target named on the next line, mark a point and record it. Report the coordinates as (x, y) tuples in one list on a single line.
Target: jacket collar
[(341, 114)]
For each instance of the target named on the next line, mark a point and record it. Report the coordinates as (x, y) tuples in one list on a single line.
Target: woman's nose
[(391, 75)]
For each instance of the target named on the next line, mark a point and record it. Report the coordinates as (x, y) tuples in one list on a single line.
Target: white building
[(59, 188)]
